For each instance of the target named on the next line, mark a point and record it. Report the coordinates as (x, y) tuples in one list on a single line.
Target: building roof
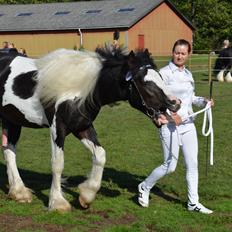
[(74, 15)]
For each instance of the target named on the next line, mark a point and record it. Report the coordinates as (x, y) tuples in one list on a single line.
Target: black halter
[(150, 111)]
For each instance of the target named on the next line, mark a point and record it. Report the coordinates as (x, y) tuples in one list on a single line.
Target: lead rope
[(207, 116)]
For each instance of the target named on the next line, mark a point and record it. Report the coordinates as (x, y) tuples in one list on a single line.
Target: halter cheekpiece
[(150, 111)]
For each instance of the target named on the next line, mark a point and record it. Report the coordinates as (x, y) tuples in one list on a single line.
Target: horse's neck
[(109, 90)]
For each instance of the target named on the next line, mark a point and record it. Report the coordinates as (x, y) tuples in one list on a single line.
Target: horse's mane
[(116, 56), (112, 56), (145, 58), (66, 74)]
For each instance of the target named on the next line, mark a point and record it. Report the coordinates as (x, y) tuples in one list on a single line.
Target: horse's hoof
[(83, 203), (25, 201), (20, 199), (86, 194), (22, 196), (60, 206), (220, 79), (229, 80), (61, 209)]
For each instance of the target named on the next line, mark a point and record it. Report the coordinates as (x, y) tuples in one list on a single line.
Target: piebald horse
[(223, 65), (64, 91)]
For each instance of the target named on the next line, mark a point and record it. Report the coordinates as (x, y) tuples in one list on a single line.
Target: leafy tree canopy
[(211, 19)]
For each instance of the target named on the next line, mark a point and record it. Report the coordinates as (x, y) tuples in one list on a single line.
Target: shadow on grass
[(41, 181), (130, 182)]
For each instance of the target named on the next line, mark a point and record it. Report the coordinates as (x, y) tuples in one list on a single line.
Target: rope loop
[(207, 117)]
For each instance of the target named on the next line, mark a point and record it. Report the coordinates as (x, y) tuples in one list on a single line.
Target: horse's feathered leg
[(56, 198), (17, 189), (220, 76), (90, 187), (228, 77)]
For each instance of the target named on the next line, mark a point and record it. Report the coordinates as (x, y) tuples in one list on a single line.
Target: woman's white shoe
[(143, 197), (199, 208)]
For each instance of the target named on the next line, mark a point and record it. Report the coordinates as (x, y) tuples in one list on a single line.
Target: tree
[(211, 19)]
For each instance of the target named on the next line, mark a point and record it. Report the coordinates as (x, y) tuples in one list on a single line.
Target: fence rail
[(197, 63)]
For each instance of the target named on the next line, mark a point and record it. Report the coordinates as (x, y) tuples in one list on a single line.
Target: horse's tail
[(66, 74)]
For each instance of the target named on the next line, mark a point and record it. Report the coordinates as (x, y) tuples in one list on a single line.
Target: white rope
[(207, 116)]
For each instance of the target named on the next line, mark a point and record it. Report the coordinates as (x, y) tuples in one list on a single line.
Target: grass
[(133, 150)]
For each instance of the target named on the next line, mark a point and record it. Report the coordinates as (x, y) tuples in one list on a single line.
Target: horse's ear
[(147, 53), (131, 59), (131, 54)]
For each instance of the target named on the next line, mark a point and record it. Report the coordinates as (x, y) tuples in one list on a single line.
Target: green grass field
[(133, 150)]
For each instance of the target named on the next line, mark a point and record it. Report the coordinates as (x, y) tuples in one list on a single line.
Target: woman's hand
[(176, 118), (210, 100), (162, 120)]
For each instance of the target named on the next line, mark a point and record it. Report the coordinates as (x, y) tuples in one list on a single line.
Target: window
[(126, 9), (93, 11), (62, 12), (25, 14)]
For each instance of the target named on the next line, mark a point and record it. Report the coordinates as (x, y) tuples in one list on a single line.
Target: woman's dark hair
[(182, 42)]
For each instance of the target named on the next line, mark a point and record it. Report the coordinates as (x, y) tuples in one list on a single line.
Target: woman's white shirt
[(180, 83)]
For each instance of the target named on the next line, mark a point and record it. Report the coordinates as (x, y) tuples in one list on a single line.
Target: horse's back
[(19, 100), (226, 52)]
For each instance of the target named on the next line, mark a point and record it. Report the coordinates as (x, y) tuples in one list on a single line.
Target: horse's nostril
[(174, 107)]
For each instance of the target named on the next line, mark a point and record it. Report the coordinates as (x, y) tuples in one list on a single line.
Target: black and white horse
[(223, 65), (65, 91)]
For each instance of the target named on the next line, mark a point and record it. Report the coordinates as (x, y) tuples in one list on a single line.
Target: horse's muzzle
[(174, 106)]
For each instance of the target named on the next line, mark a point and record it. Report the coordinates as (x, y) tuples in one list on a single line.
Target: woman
[(181, 134)]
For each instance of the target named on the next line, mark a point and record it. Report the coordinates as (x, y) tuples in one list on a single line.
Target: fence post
[(209, 67), (190, 62)]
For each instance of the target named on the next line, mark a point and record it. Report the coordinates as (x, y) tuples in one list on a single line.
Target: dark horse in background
[(65, 91), (223, 65)]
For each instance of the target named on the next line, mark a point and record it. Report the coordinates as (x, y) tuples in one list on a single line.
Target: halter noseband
[(150, 111)]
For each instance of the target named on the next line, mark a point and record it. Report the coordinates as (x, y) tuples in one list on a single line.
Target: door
[(141, 41)]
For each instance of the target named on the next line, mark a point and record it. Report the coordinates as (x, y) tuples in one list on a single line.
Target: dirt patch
[(107, 221), (15, 223), (229, 226), (103, 220)]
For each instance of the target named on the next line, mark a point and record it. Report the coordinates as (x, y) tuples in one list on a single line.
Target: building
[(40, 28)]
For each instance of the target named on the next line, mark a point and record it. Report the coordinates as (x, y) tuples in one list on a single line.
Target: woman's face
[(180, 55)]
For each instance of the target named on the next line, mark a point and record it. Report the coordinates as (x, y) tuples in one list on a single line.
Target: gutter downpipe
[(81, 37)]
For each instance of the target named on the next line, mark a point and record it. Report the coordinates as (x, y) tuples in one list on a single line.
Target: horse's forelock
[(145, 58)]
